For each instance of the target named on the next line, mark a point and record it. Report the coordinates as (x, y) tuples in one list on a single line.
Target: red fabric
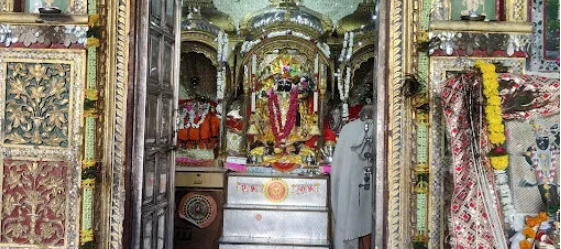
[(328, 134), (234, 123), (311, 143), (354, 112)]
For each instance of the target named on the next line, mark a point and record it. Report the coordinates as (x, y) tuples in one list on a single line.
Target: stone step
[(271, 243), (267, 222), (283, 190)]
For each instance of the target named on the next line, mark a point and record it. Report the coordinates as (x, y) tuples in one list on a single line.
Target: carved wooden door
[(155, 82)]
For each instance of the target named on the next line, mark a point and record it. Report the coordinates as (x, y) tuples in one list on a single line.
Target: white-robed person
[(351, 191)]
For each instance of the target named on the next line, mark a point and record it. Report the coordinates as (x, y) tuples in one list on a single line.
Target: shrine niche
[(283, 126), (203, 80), (510, 132)]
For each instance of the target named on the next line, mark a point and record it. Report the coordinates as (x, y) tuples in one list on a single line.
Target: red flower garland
[(275, 112)]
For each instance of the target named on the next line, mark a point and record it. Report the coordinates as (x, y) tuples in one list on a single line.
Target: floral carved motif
[(37, 104), (33, 203)]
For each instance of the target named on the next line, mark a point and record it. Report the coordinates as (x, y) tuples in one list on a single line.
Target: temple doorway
[(236, 122)]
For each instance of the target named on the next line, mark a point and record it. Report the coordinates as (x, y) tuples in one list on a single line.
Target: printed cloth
[(470, 226), (515, 87)]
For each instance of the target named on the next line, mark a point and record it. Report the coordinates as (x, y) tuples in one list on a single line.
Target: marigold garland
[(499, 162), (525, 244), (493, 114), (530, 231)]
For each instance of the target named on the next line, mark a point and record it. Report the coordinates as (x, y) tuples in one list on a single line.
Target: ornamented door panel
[(41, 122), (153, 138)]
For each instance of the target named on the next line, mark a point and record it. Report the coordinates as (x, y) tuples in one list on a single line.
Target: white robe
[(351, 220)]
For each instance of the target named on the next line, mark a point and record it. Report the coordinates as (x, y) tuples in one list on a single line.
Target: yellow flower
[(422, 36), (91, 113), (497, 138), (479, 63), (490, 77), (494, 100), (86, 235), (92, 20), (500, 128), (493, 111), (92, 42), (499, 162), (492, 85), (87, 163), (494, 120), (487, 68), (91, 94)]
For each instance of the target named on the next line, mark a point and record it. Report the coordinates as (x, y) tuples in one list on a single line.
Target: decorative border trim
[(89, 170), (120, 73), (399, 189), (118, 145), (114, 78)]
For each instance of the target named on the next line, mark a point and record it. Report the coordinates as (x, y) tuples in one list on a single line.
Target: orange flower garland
[(529, 231), (525, 244)]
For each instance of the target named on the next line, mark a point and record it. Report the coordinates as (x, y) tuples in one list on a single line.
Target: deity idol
[(200, 126), (543, 159), (283, 123)]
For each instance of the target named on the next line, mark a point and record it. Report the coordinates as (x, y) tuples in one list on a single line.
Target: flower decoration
[(222, 56), (532, 224), (499, 162), (93, 20), (525, 244), (94, 32), (92, 42), (279, 131), (529, 232), (493, 115)]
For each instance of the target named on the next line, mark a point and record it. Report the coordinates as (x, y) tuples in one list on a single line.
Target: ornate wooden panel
[(33, 202), (41, 105)]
